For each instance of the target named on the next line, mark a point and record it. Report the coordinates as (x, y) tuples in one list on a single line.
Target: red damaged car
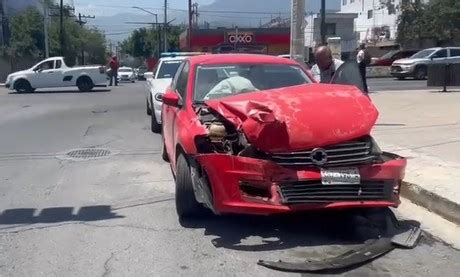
[(254, 134)]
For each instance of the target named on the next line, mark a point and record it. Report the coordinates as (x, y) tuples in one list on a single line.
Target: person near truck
[(325, 66), (114, 65), (363, 59)]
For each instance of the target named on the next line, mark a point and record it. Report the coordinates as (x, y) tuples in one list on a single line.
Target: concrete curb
[(431, 201)]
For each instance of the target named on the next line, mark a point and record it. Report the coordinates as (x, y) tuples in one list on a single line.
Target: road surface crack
[(129, 226), (88, 130), (107, 268)]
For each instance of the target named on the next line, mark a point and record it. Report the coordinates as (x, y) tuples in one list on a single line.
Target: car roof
[(239, 58), (177, 58)]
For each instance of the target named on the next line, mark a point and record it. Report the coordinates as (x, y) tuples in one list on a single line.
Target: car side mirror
[(38, 69), (171, 99), (148, 75)]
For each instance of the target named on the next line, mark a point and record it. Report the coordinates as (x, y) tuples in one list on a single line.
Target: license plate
[(340, 176)]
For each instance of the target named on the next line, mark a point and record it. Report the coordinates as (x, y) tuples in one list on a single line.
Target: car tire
[(420, 73), (154, 126), (164, 153), (23, 86), (85, 84), (186, 204), (147, 108)]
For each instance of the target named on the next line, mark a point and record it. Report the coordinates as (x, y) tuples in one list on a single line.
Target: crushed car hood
[(300, 117)]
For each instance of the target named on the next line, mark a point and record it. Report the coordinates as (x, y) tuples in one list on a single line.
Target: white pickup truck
[(53, 72)]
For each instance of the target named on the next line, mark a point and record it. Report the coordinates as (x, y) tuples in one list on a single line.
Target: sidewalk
[(425, 128)]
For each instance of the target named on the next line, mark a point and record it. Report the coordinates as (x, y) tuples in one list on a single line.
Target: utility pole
[(165, 27), (61, 27), (82, 22), (323, 22), (4, 23), (297, 31), (45, 28), (190, 15)]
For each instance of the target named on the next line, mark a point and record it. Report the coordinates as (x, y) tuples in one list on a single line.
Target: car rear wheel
[(186, 204), (148, 109), (154, 126), (420, 73), (85, 84), (23, 86)]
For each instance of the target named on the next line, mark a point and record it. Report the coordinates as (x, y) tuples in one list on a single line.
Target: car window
[(174, 82), (45, 65), (211, 83), (168, 69), (440, 54), (455, 52), (58, 64), (181, 86)]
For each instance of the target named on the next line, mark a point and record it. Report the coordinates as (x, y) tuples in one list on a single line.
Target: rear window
[(168, 69)]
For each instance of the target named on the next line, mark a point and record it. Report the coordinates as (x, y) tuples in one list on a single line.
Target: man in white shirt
[(362, 60), (325, 66)]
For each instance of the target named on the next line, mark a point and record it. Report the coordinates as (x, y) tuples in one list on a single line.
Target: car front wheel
[(186, 204), (154, 126)]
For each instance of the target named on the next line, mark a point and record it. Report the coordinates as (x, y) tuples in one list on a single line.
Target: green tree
[(438, 20), (27, 36)]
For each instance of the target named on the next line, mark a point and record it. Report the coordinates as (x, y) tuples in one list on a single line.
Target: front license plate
[(340, 176)]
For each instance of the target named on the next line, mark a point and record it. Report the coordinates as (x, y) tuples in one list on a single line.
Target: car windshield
[(168, 69), (125, 70), (223, 80), (388, 55), (422, 54)]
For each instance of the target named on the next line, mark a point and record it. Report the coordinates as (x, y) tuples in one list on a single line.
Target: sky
[(112, 7)]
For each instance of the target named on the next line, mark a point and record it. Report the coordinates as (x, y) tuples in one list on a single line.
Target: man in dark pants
[(363, 60), (114, 65)]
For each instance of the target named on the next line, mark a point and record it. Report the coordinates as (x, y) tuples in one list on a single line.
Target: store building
[(272, 41)]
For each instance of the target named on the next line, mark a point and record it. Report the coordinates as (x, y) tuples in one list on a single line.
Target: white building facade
[(338, 25), (376, 20)]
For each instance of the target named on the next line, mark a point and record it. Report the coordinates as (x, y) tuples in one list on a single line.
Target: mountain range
[(220, 13)]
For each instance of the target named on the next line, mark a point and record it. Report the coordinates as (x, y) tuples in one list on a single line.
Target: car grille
[(350, 153), (304, 192), (396, 68)]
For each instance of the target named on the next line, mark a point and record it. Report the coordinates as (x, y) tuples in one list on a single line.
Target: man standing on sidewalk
[(325, 66), (114, 65), (363, 59)]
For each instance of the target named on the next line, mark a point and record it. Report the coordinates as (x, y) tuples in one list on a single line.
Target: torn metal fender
[(299, 117), (366, 253)]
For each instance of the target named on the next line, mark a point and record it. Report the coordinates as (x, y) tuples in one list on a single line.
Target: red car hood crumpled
[(300, 117)]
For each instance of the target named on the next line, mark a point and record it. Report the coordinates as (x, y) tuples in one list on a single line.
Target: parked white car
[(156, 87), (53, 72), (126, 74)]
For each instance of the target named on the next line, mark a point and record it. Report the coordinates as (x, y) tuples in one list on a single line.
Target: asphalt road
[(115, 216), (387, 84)]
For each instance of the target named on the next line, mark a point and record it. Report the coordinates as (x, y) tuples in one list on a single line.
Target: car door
[(39, 78), (454, 55), (56, 77), (439, 57), (169, 113)]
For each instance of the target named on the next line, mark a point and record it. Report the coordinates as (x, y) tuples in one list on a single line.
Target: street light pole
[(165, 27), (61, 25), (156, 27)]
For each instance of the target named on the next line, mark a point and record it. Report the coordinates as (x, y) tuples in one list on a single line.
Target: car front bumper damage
[(255, 186)]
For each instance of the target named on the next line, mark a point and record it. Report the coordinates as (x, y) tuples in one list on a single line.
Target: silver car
[(417, 65)]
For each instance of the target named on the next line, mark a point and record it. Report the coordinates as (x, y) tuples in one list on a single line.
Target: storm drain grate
[(89, 153)]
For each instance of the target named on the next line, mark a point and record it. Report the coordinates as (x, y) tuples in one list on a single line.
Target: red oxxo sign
[(242, 37)]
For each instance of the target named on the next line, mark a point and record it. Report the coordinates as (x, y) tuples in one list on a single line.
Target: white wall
[(344, 30), (363, 25)]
